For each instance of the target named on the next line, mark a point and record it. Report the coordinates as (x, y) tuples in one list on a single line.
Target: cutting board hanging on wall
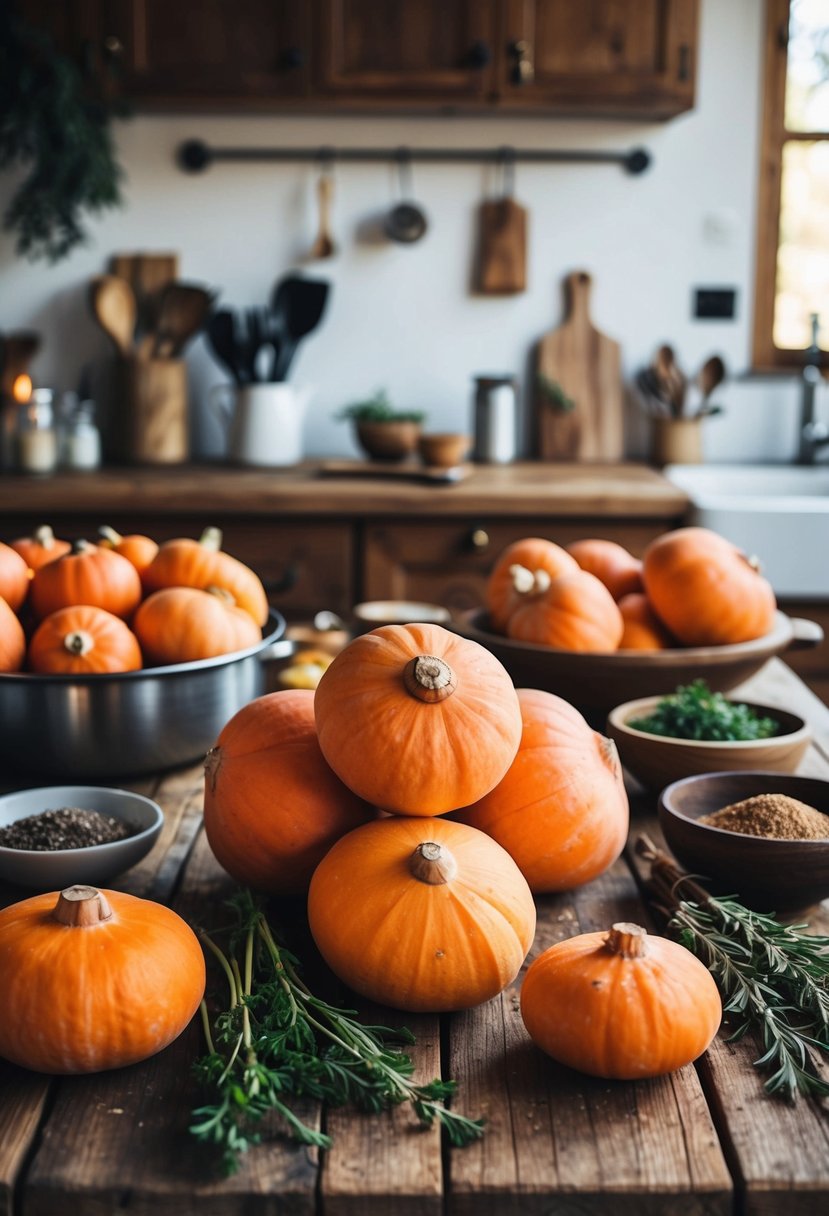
[(577, 389)]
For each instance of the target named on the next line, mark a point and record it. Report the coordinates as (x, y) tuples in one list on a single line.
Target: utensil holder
[(676, 441), (148, 415)]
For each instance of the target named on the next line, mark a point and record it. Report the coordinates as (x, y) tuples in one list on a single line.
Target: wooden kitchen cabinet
[(599, 56)]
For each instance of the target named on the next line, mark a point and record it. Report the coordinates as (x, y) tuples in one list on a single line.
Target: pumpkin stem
[(80, 907), (433, 864), (111, 537), (82, 546), (211, 538), (221, 593), (212, 763), (627, 940), (429, 678), (44, 536), (79, 641), (529, 582)]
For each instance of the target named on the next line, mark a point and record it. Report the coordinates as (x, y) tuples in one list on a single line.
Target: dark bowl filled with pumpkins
[(599, 626), (125, 657)]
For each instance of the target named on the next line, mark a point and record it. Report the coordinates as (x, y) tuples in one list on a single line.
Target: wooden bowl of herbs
[(760, 836), (696, 730)]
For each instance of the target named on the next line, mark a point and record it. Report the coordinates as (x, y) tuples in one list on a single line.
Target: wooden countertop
[(520, 489), (706, 1139)]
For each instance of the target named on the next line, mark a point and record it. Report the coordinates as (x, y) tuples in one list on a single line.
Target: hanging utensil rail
[(194, 155)]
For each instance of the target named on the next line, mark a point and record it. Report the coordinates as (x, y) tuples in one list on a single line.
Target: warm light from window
[(22, 388)]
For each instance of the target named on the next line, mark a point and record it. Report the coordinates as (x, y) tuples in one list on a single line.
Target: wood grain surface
[(577, 393), (501, 265)]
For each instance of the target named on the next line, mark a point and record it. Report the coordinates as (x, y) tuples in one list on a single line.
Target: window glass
[(802, 286), (807, 69)]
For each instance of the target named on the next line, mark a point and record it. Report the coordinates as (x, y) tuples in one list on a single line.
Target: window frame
[(774, 135)]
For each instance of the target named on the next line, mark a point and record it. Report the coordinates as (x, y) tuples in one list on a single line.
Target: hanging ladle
[(406, 222)]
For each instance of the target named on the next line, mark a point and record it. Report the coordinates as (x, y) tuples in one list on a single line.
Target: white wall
[(403, 317)]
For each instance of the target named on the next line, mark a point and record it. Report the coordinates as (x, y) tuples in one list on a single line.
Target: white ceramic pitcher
[(264, 422)]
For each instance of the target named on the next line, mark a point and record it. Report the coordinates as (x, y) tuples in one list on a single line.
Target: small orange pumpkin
[(561, 810), (421, 915), (611, 563), (202, 564), (182, 624), (12, 639), (417, 720), (94, 980), (524, 569), (41, 547), (643, 628), (705, 590), (14, 577), (86, 574), (83, 639), (272, 806), (576, 612), (137, 549), (620, 1004)]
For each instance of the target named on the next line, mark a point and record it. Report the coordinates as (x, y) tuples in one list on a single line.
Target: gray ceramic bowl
[(53, 870)]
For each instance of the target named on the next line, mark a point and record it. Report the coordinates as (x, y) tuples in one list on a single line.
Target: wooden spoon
[(710, 375), (183, 311), (324, 246), (114, 308)]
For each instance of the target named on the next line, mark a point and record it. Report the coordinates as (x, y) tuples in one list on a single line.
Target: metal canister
[(495, 420)]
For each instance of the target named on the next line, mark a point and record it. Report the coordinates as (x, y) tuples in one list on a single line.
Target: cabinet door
[(599, 56), (213, 52), (405, 49)]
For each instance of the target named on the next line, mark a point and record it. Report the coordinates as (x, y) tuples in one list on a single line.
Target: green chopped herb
[(695, 712)]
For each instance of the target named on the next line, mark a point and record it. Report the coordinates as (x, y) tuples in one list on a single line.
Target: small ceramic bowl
[(656, 760), (443, 451), (784, 876), (53, 870), (392, 440), (373, 613)]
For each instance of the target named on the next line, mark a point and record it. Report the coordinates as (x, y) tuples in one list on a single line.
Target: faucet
[(814, 434)]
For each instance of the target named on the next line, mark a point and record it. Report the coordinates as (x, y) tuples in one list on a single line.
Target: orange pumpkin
[(14, 577), (41, 547), (525, 568), (561, 810), (643, 629), (611, 563), (576, 612), (272, 806), (137, 549), (620, 1004), (416, 719), (421, 915), (83, 639), (94, 980), (182, 624), (202, 564), (86, 574), (705, 590), (12, 639)]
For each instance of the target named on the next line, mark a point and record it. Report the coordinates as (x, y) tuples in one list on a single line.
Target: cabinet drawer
[(448, 563)]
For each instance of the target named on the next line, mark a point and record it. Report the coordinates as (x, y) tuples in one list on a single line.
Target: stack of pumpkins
[(123, 604), (421, 801), (691, 587)]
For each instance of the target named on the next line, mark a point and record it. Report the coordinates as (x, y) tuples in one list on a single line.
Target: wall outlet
[(715, 303)]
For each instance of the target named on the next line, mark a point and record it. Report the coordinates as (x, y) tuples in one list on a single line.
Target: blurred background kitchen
[(408, 317)]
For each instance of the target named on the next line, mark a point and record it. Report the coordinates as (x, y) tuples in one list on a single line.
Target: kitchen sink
[(778, 513)]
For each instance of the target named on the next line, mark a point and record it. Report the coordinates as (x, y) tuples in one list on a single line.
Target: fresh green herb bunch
[(773, 978), (695, 712), (553, 394), (276, 1044), (54, 124), (378, 409)]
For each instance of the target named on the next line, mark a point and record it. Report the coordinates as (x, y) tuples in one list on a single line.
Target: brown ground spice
[(775, 816)]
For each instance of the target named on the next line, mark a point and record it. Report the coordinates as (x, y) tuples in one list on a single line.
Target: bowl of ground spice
[(54, 836), (762, 836)]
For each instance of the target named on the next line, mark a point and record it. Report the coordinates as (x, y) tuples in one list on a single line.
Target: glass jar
[(80, 446), (37, 439)]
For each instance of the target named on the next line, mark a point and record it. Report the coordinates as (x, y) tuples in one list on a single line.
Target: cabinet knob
[(287, 581), (479, 539), (292, 59), (522, 71), (479, 55), (113, 46)]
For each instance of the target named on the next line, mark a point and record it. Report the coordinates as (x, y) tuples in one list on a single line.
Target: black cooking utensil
[(221, 334), (297, 305)]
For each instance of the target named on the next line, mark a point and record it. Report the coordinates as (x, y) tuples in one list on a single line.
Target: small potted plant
[(383, 432)]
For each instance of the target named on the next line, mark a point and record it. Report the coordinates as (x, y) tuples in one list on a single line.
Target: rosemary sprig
[(772, 977), (276, 1042)]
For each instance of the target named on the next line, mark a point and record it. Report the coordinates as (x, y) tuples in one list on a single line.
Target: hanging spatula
[(298, 303)]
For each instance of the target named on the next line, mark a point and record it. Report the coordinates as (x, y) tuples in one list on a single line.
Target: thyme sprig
[(276, 1042), (773, 977)]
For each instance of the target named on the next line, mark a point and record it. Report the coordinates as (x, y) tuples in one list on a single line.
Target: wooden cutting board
[(501, 266), (148, 274), (577, 389)]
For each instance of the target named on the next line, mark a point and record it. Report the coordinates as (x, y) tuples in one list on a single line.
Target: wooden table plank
[(557, 1140)]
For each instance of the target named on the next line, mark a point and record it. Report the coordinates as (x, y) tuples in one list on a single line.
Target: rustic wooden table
[(705, 1140)]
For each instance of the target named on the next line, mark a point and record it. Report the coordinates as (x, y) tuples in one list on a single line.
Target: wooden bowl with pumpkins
[(599, 626)]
